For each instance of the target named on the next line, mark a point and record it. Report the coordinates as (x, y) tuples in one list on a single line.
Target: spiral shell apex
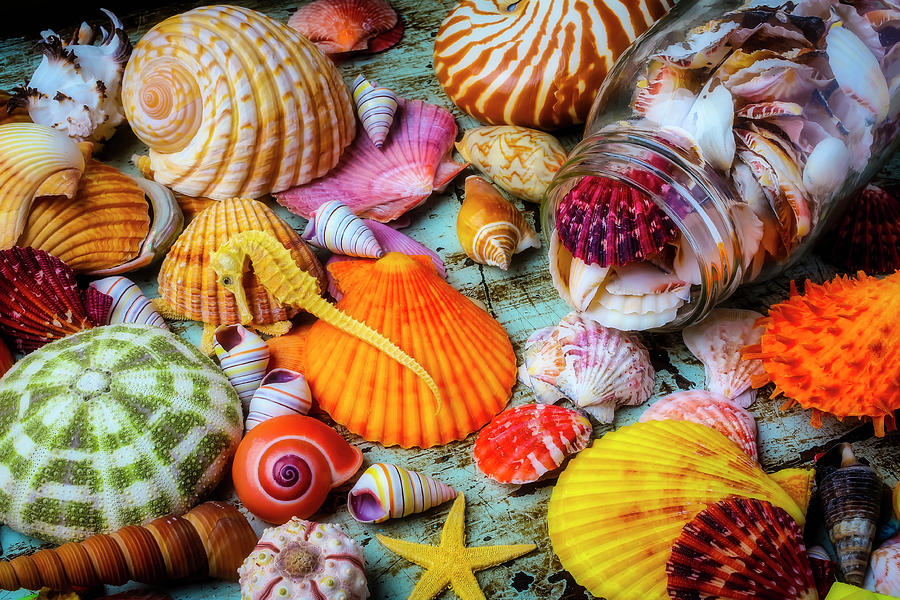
[(389, 492), (189, 97)]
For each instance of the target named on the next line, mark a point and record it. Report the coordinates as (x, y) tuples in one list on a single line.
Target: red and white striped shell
[(525, 442), (532, 62)]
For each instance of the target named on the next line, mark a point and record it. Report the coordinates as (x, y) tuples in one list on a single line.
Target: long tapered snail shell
[(189, 95)]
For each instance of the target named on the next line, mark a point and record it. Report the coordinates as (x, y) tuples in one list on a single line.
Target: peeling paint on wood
[(522, 299)]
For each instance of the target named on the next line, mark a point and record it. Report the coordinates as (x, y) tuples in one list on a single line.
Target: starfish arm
[(466, 586), (421, 554), (454, 533), (432, 583), (482, 557)]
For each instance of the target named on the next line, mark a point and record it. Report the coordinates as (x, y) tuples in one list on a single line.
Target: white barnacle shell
[(76, 86), (190, 96)]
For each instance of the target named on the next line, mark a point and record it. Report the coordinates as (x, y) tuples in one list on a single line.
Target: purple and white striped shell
[(386, 491), (129, 305), (243, 356), (333, 226), (281, 392), (302, 559), (375, 106)]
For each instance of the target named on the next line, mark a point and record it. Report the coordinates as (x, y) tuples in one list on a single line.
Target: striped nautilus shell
[(204, 88), (535, 63)]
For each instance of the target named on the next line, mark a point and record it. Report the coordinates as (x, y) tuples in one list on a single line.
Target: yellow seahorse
[(291, 286)]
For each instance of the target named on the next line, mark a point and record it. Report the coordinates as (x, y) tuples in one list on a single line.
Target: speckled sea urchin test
[(836, 349), (110, 427)]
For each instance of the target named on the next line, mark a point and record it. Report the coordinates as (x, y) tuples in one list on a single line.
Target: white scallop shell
[(243, 356), (638, 296), (129, 305), (334, 227), (543, 360), (857, 72), (883, 575), (281, 392), (717, 342)]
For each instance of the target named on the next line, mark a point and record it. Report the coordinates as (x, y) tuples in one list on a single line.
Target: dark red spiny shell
[(868, 235), (604, 221)]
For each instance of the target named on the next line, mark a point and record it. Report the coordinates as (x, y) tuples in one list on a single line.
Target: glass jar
[(721, 144)]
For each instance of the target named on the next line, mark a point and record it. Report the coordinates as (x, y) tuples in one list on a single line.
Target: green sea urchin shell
[(110, 427)]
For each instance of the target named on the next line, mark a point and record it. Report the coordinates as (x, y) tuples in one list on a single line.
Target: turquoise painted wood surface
[(522, 299)]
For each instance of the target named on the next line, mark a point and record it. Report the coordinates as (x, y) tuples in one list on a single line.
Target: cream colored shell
[(34, 160), (233, 103)]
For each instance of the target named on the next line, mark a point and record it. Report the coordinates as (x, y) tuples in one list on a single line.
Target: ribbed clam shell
[(375, 106), (102, 227), (711, 409), (850, 492), (39, 299), (620, 504), (189, 96), (521, 161), (188, 283), (383, 184), (490, 229), (339, 26), (281, 392), (604, 368), (533, 63), (526, 442), (34, 160), (742, 549), (129, 305), (718, 340), (386, 491), (883, 574), (270, 463), (606, 222), (460, 345), (243, 356), (334, 226)]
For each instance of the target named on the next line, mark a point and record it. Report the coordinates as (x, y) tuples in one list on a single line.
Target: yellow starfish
[(452, 563)]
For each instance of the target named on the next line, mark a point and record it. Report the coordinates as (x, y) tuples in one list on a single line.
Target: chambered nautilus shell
[(204, 86), (532, 62)]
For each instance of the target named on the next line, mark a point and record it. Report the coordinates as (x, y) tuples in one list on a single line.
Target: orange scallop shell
[(189, 284), (461, 346), (288, 351), (102, 227)]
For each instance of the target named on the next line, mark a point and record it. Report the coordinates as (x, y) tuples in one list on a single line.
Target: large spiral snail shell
[(532, 62), (204, 86)]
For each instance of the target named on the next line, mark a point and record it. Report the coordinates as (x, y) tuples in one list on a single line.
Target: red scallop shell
[(39, 299), (868, 235), (606, 222), (741, 549), (523, 443), (6, 358), (340, 26), (97, 305)]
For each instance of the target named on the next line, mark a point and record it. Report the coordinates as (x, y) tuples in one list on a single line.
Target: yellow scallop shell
[(619, 506), (798, 483), (234, 103), (190, 286), (35, 160)]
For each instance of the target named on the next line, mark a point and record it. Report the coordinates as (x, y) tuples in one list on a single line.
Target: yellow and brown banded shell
[(532, 62), (204, 86), (522, 161), (102, 227), (189, 285), (35, 160), (490, 229)]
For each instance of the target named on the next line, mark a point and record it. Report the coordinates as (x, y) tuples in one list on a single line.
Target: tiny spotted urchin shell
[(110, 427)]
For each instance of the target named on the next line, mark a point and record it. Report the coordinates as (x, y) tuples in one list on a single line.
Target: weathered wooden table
[(522, 299)]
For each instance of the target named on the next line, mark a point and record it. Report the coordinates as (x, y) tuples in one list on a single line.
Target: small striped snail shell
[(387, 491), (282, 392), (211, 539), (243, 356), (333, 226), (129, 305), (204, 86), (376, 107), (562, 51)]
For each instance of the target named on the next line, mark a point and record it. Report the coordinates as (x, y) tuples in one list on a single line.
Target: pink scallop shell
[(710, 409), (524, 443), (384, 184), (341, 26)]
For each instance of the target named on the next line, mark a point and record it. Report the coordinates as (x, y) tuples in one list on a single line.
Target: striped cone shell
[(334, 226), (526, 442), (281, 392), (387, 491), (129, 305), (375, 106), (560, 54), (243, 356)]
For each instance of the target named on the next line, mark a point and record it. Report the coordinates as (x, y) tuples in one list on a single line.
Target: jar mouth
[(689, 192)]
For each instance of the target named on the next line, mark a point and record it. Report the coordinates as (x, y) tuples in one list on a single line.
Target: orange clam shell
[(461, 346), (189, 284), (288, 351), (102, 227)]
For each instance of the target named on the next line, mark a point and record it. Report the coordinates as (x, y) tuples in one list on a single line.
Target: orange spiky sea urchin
[(836, 349)]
